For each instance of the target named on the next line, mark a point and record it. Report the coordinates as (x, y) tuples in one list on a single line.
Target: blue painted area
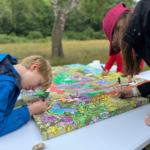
[(57, 111), (60, 112), (53, 110), (68, 109), (103, 82), (87, 69), (57, 106), (75, 65)]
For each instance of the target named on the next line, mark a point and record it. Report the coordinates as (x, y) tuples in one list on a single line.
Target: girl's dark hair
[(131, 60)]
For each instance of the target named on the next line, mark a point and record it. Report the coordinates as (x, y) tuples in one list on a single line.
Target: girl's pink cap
[(110, 20)]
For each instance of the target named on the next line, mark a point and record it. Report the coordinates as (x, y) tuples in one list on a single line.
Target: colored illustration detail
[(80, 96), (30, 92)]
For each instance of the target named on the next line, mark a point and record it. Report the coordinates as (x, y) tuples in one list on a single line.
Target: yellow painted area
[(54, 131), (68, 129), (133, 104), (80, 125)]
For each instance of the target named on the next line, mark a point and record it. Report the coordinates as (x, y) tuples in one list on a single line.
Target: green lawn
[(82, 52)]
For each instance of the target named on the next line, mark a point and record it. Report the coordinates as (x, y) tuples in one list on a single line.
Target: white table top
[(144, 75), (126, 131)]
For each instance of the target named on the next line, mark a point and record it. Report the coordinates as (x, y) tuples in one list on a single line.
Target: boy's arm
[(18, 117), (110, 62)]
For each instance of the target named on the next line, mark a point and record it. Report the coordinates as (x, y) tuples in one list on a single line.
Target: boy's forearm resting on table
[(10, 120), (14, 120)]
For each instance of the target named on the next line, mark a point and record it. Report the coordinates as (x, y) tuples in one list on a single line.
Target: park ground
[(82, 52)]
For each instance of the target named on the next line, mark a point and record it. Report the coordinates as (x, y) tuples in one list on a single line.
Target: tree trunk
[(57, 49), (60, 19)]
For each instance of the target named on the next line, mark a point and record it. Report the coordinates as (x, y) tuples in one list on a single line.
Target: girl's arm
[(142, 65), (144, 88), (110, 62)]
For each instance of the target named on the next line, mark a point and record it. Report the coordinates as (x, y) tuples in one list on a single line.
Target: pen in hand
[(104, 72), (120, 86), (43, 98), (103, 68)]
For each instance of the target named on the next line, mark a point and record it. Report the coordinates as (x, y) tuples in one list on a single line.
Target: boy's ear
[(34, 66)]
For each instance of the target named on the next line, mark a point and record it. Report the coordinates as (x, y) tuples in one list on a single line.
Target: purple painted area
[(81, 83), (64, 87), (66, 120), (62, 123), (72, 112), (83, 90), (82, 98), (104, 113), (137, 102), (42, 115), (49, 119)]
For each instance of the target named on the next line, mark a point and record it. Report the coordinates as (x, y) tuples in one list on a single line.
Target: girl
[(118, 60), (132, 33), (111, 19)]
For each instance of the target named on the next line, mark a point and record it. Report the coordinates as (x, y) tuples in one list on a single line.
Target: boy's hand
[(38, 107), (104, 73)]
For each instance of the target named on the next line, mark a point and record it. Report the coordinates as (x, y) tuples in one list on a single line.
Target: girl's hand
[(125, 92), (104, 73), (38, 107), (147, 121)]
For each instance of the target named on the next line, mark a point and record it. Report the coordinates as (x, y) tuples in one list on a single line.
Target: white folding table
[(126, 131)]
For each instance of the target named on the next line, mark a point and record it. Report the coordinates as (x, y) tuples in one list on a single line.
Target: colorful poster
[(80, 96)]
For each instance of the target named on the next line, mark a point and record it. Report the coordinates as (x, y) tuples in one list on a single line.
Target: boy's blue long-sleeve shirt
[(9, 91)]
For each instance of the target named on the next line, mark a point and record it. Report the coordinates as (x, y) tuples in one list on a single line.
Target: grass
[(82, 52)]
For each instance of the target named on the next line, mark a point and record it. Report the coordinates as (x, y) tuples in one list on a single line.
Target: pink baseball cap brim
[(110, 20)]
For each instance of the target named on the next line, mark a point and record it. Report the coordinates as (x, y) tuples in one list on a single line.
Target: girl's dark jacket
[(138, 36)]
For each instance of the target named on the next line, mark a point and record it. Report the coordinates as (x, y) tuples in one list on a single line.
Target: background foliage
[(23, 17)]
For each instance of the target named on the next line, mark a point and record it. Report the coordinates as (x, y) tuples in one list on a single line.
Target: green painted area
[(40, 94)]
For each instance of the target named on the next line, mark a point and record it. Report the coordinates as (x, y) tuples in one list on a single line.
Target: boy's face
[(31, 79)]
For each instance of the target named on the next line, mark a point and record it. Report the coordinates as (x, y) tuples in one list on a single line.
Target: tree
[(95, 11), (61, 15), (14, 13)]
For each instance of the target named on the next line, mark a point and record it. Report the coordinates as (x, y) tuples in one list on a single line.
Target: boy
[(29, 73)]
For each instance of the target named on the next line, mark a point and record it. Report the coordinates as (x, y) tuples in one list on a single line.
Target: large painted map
[(80, 96)]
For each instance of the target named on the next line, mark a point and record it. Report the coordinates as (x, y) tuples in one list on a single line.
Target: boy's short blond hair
[(44, 68)]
